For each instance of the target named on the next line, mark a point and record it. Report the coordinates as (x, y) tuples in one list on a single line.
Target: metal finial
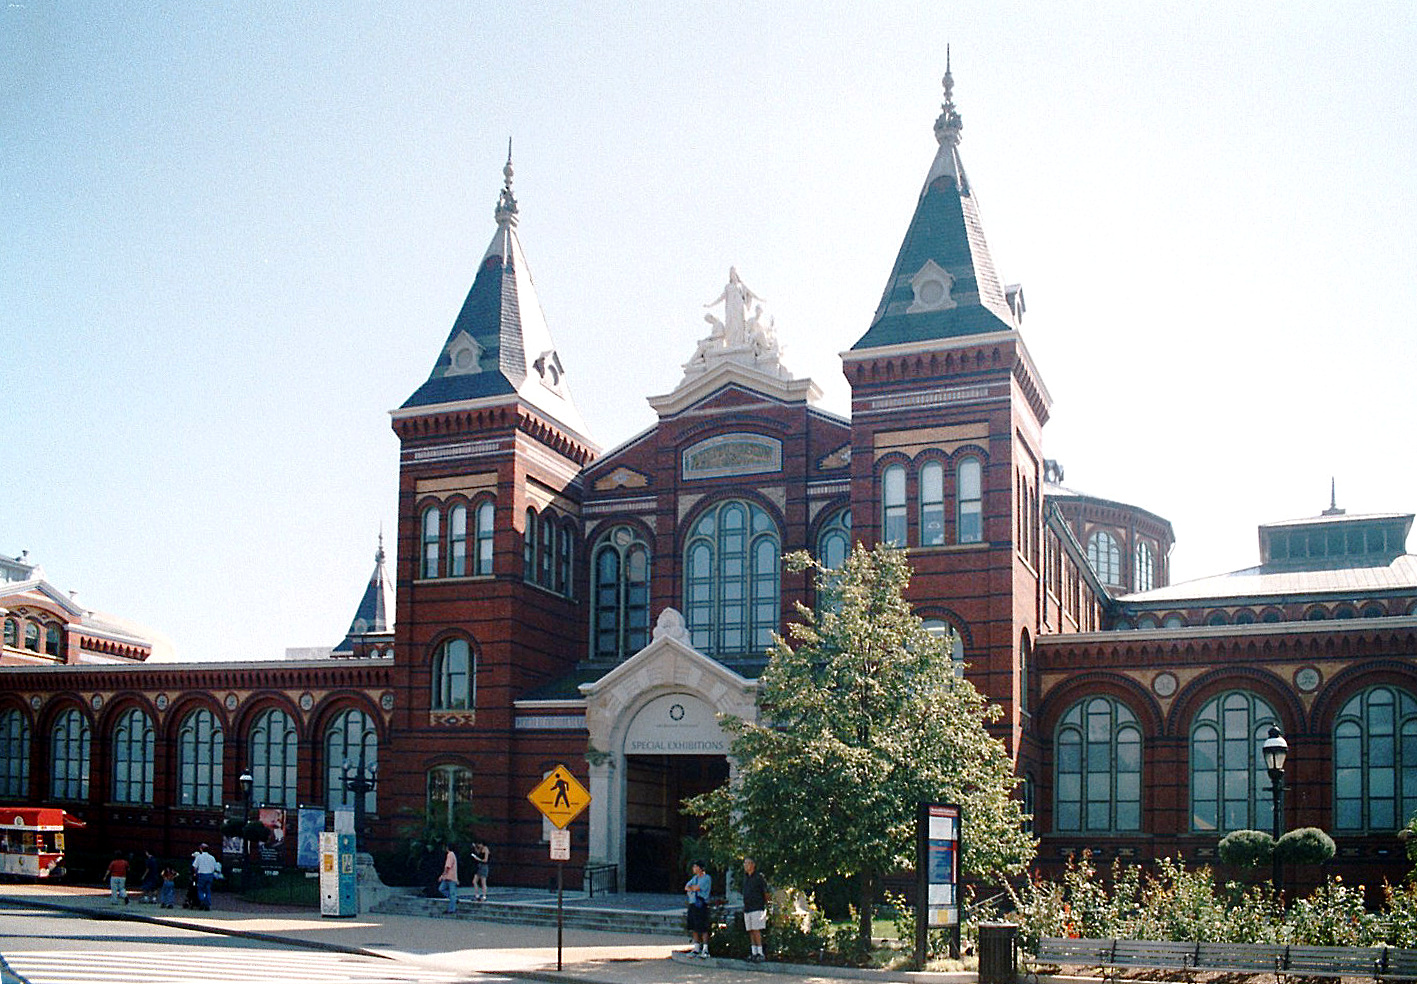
[(949, 123), (379, 554), (1333, 509), (506, 210)]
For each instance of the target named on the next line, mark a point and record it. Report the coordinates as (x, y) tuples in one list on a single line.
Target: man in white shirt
[(204, 868)]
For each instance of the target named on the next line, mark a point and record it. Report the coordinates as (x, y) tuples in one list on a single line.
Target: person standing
[(152, 878), (755, 908), (448, 880), (117, 875), (481, 856), (169, 887), (204, 868), (697, 889)]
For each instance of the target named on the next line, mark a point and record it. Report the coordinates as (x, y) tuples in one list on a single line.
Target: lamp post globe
[(1276, 751)]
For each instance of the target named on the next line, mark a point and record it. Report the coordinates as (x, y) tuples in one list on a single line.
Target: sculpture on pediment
[(739, 337), (735, 298)]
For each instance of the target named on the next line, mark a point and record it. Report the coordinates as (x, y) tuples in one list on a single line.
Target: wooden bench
[(1377, 963)]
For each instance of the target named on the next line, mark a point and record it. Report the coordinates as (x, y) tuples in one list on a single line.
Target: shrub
[(1305, 845), (1400, 918), (1246, 848), (1334, 915)]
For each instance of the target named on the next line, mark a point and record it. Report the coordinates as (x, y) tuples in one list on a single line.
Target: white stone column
[(604, 846)]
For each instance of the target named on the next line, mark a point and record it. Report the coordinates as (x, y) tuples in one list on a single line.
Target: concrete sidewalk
[(589, 956)]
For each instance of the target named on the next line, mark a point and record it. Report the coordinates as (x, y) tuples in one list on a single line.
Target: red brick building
[(561, 602)]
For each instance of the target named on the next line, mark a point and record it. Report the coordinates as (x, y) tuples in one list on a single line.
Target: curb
[(821, 970), (214, 930)]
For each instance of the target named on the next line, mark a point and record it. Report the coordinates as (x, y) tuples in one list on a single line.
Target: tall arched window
[(53, 639), (546, 550), (1105, 557), (450, 795), (893, 506), (1375, 760), (732, 589), (1229, 785), (564, 560), (1145, 568), (969, 502), (484, 538), (272, 756), (457, 541), (133, 758), (199, 750), (944, 630), (620, 606), (1097, 753), (12, 632), (529, 548), (432, 523), (932, 504), (32, 636), (454, 676), (834, 539), (14, 754), (350, 741), (69, 741)]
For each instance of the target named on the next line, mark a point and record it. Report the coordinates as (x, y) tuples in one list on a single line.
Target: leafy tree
[(1246, 848), (862, 720)]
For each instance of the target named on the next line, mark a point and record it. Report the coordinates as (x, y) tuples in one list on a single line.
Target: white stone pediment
[(695, 390), (667, 665)]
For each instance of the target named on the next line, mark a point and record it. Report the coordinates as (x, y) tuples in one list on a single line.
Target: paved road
[(47, 947)]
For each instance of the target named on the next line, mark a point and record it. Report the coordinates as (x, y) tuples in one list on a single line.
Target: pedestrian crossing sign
[(559, 797)]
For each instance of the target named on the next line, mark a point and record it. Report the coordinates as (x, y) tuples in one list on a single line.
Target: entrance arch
[(654, 740)]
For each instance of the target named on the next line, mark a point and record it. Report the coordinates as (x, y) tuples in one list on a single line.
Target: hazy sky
[(233, 236)]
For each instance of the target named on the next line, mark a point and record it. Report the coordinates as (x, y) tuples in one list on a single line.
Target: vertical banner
[(937, 828), (310, 824)]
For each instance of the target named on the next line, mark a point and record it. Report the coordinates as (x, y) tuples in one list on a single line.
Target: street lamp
[(245, 781), (1276, 750), (359, 781)]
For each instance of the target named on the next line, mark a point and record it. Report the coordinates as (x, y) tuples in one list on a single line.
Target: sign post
[(560, 798), (936, 875)]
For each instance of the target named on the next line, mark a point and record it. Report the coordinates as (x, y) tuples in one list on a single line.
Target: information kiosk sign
[(937, 873)]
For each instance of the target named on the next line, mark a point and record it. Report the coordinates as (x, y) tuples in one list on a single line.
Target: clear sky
[(233, 236)]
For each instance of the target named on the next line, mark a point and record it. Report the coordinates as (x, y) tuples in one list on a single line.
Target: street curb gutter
[(195, 927)]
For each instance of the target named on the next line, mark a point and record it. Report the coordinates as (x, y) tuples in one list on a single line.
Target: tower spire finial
[(1333, 509), (506, 211), (950, 123)]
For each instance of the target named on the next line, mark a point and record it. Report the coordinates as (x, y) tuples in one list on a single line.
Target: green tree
[(861, 720)]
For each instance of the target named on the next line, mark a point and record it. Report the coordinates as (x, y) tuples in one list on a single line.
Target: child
[(169, 886)]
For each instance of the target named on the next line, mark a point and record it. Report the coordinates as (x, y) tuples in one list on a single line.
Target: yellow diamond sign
[(560, 797)]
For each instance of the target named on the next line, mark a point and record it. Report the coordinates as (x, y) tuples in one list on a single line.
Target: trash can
[(996, 953)]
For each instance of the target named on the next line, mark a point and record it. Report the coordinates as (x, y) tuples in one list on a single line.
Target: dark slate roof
[(947, 230), (1265, 581), (372, 615)]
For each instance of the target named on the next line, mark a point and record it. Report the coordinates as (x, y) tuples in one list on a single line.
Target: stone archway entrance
[(654, 741)]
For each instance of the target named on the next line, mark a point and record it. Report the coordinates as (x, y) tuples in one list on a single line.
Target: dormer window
[(548, 367), (464, 355), (932, 286)]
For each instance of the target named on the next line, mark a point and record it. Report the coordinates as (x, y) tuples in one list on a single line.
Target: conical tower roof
[(943, 284), (372, 615), (500, 345)]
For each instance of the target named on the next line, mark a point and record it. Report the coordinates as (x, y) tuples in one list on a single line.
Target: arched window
[(565, 546), (350, 741), (431, 528), (14, 754), (620, 606), (546, 550), (484, 538), (1105, 557), (69, 756), (1144, 572), (52, 639), (133, 758), (969, 502), (32, 636), (457, 541), (893, 506), (450, 796), (1229, 784), (199, 750), (454, 676), (12, 632), (732, 589), (944, 630), (272, 756), (529, 548), (834, 539), (932, 504), (1097, 749), (1375, 761)]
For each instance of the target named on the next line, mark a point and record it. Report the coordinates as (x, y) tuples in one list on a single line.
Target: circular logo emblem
[(1307, 679), (676, 712), (161, 702), (96, 701), (387, 702), (35, 701), (1164, 684), (231, 702)]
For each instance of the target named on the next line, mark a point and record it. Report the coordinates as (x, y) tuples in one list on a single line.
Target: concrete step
[(541, 913)]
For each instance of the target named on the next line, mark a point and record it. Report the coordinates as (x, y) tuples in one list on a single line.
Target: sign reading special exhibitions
[(676, 724)]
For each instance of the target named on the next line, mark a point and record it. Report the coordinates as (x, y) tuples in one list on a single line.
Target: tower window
[(932, 504), (969, 526), (893, 506)]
